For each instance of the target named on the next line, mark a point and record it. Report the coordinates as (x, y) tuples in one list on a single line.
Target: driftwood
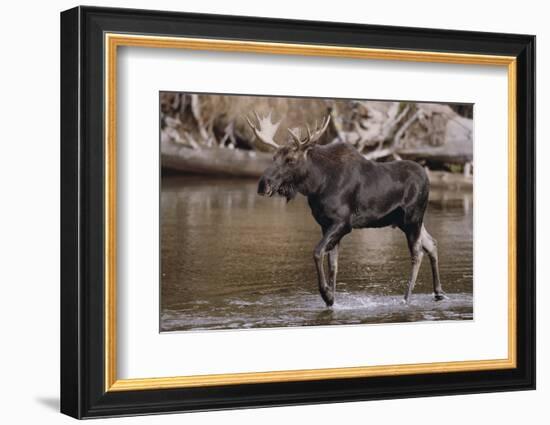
[(434, 133), (450, 181), (457, 148), (209, 134), (377, 129), (216, 161), (246, 163)]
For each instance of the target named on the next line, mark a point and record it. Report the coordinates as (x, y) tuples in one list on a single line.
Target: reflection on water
[(232, 259)]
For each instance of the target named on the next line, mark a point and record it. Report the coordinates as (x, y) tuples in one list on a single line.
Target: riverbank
[(177, 158)]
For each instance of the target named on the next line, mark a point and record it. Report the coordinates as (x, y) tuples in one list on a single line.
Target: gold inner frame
[(113, 41)]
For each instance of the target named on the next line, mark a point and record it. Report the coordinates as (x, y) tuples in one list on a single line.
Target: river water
[(231, 259)]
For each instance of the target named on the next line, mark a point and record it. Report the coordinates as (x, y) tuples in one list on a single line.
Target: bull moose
[(345, 191)]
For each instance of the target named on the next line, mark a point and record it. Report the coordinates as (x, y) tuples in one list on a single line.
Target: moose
[(345, 191)]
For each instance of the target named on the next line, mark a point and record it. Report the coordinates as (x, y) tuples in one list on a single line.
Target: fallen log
[(440, 154), (450, 181), (243, 163), (213, 161)]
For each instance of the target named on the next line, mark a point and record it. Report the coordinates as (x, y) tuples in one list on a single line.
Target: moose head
[(289, 169)]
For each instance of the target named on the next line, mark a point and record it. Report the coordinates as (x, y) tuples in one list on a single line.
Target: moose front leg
[(329, 242), (333, 268)]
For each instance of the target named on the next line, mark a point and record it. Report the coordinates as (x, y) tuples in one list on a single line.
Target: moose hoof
[(440, 297), (328, 299)]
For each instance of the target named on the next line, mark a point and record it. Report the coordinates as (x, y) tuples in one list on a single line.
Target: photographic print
[(287, 211)]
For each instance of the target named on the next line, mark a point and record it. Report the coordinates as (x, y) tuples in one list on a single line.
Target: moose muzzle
[(265, 187)]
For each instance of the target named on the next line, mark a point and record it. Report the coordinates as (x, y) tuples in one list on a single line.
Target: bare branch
[(379, 153), (404, 127), (196, 110)]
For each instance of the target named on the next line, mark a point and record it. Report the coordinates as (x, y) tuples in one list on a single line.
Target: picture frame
[(90, 39)]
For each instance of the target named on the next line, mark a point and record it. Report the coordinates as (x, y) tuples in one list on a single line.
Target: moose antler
[(311, 137), (265, 131)]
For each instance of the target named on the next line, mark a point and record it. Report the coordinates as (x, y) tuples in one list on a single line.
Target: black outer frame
[(82, 212)]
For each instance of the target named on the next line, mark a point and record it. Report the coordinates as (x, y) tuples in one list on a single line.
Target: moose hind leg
[(415, 247), (333, 268), (429, 244)]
